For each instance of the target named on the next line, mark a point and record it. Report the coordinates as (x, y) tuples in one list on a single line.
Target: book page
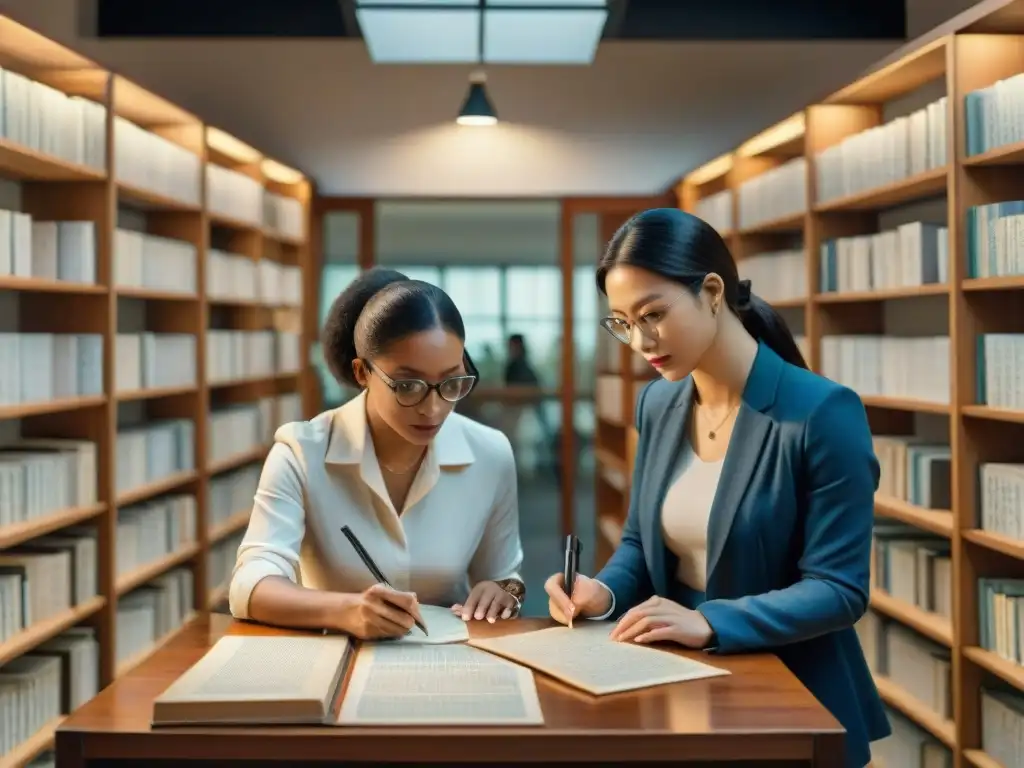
[(587, 658), (395, 684), (442, 625)]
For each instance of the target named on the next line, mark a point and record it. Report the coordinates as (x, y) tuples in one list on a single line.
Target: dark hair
[(379, 307), (682, 247)]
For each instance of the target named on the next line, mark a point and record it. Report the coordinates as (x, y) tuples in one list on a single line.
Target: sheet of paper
[(442, 625), (587, 658), (396, 684)]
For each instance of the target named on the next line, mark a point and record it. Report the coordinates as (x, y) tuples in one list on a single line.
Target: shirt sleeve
[(500, 553), (277, 525), (611, 608)]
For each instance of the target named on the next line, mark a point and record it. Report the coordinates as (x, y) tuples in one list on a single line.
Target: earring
[(714, 310)]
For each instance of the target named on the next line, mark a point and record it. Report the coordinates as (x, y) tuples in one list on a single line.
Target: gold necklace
[(406, 470), (713, 433)]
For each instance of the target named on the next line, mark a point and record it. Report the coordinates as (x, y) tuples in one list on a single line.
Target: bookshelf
[(901, 275), (152, 278)]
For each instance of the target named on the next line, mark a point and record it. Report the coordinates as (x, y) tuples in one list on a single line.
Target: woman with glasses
[(752, 501), (430, 495)]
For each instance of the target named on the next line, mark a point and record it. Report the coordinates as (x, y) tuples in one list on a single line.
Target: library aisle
[(151, 289), (886, 225)]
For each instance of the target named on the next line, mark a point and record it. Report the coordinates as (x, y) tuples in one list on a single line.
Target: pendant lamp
[(477, 109)]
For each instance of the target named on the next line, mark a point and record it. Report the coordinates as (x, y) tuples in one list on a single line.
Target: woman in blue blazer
[(752, 501)]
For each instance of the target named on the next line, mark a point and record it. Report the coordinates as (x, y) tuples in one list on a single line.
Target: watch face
[(514, 588)]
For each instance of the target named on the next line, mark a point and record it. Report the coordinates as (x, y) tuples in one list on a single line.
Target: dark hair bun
[(339, 334)]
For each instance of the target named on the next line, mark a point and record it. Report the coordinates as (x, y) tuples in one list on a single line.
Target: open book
[(259, 680)]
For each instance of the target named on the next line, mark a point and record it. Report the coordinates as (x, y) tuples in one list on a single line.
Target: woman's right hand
[(380, 612), (589, 598)]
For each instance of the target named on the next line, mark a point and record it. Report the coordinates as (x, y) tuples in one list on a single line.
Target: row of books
[(776, 275), (995, 239), (774, 194), (912, 254), (47, 250), (235, 277), (220, 560), (912, 367), (909, 746), (52, 680), (716, 210), (142, 260), (992, 115), (151, 612), (1000, 370), (888, 153), (154, 360), (1001, 500), (154, 529), (233, 355), (239, 429), (911, 661), (41, 476), (46, 577), (283, 215), (151, 452), (153, 163), (913, 566), (1001, 618), (43, 119), (39, 367), (232, 492), (234, 195), (914, 470), (1002, 724)]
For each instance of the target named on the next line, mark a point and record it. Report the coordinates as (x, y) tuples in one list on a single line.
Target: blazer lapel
[(670, 444), (745, 449)]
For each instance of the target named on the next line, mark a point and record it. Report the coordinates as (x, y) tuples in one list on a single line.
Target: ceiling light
[(477, 109), (542, 36), (421, 35)]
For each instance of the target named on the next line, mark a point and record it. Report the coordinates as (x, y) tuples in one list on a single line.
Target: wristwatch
[(517, 589)]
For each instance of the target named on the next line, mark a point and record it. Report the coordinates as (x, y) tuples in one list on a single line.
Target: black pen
[(372, 567), (572, 562)]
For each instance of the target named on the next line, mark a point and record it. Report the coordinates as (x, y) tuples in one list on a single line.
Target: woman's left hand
[(488, 601), (659, 620)]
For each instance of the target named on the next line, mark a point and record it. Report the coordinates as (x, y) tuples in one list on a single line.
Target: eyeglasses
[(647, 325), (410, 392)]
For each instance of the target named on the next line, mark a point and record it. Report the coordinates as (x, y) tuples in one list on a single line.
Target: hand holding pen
[(382, 608)]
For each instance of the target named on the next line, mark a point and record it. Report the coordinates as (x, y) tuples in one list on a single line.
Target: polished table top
[(760, 701)]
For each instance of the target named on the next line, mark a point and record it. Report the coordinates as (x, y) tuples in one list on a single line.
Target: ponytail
[(766, 325)]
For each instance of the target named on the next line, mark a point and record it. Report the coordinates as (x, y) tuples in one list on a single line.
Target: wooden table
[(758, 716)]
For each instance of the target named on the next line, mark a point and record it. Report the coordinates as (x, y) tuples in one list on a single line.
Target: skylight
[(482, 31)]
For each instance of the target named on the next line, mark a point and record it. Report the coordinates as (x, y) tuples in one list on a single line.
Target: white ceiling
[(636, 119)]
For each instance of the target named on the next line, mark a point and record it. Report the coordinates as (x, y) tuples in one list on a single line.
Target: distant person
[(518, 370), (430, 494), (749, 526)]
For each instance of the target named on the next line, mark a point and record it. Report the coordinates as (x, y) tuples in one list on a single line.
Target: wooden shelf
[(933, 520), (51, 189), (998, 666), (233, 524), (29, 750), (909, 292), (942, 729), (979, 759), (792, 223), (905, 404), (938, 628), (995, 543), (41, 631), (993, 414), (924, 185), (1007, 283)]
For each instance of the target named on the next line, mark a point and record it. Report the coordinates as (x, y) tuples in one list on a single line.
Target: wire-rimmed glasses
[(412, 392)]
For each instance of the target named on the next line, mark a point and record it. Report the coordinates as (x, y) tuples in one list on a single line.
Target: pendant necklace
[(713, 433)]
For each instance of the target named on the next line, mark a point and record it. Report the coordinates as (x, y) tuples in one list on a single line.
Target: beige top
[(460, 524), (685, 514)]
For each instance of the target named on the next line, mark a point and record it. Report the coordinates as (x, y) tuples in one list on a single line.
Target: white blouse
[(459, 526), (685, 514)]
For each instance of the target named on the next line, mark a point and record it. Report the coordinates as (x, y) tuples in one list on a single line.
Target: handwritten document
[(396, 684), (442, 625), (587, 658)]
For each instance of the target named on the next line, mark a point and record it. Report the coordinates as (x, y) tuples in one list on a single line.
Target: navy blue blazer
[(789, 538)]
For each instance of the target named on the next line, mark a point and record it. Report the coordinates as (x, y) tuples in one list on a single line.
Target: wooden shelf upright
[(119, 190), (973, 51)]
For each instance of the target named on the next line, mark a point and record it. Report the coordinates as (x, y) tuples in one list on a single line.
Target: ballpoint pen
[(572, 561), (372, 567)]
